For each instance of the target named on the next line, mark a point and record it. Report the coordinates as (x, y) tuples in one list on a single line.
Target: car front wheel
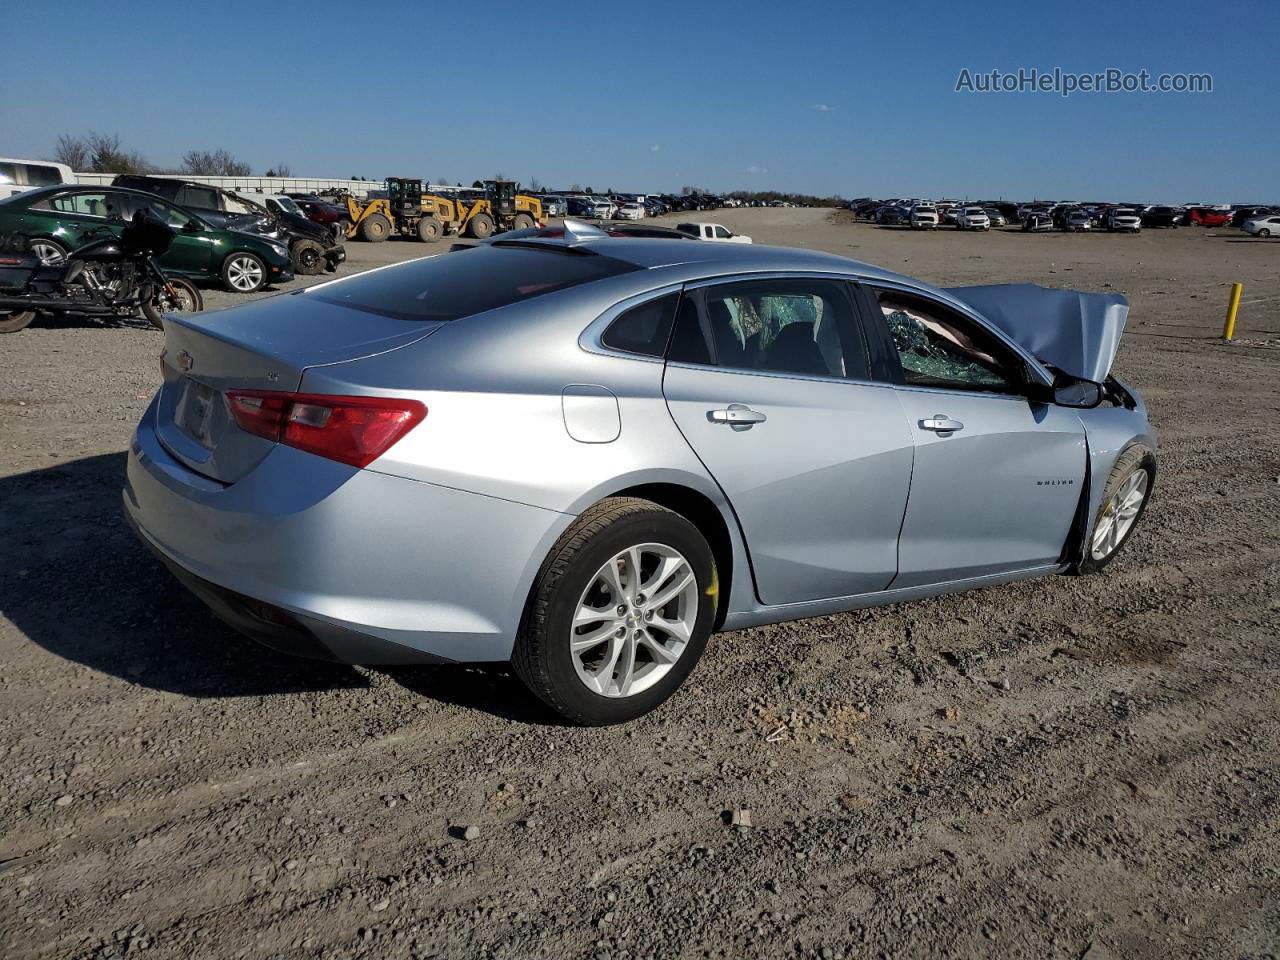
[(244, 273), (619, 614), (1123, 501)]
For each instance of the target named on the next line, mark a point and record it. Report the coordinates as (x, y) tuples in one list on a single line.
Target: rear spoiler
[(1078, 333)]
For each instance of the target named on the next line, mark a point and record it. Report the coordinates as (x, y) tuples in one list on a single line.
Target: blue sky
[(816, 97)]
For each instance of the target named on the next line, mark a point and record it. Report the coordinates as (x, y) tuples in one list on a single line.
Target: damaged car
[(313, 248), (586, 454)]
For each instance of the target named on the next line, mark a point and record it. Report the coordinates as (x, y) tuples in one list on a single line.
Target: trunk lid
[(267, 345)]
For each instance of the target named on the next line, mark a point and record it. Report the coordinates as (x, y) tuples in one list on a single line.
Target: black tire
[(430, 229), (13, 322), (238, 275), (1137, 457), (189, 300), (1264, 233), (375, 228), (522, 221), (542, 658), (481, 226), (307, 257)]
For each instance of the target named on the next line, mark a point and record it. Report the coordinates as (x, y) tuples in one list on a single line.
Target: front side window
[(171, 216), (797, 326), (940, 348), (722, 233)]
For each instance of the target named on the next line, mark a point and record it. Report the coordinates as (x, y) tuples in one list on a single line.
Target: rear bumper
[(320, 559)]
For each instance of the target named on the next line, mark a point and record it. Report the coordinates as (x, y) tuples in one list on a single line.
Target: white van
[(19, 175)]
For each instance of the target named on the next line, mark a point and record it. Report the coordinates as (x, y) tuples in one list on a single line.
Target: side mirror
[(1077, 393), (191, 227)]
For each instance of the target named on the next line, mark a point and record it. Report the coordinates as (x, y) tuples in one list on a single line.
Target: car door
[(192, 251), (768, 381), (997, 478)]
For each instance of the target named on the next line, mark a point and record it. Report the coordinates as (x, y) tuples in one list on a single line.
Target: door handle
[(737, 415), (941, 423)]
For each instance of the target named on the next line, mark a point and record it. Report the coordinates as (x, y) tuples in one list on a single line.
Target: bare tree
[(279, 170), (213, 163), (107, 156), (534, 185), (73, 151)]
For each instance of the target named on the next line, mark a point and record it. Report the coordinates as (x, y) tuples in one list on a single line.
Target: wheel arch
[(1100, 460), (703, 513)]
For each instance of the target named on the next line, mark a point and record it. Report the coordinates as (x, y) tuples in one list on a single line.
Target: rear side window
[(789, 325), (468, 282), (643, 329)]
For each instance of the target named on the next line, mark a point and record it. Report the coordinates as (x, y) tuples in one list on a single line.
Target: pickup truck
[(713, 232)]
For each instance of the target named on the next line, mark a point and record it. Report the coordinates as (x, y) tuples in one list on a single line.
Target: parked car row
[(239, 242), (1040, 216), (51, 222)]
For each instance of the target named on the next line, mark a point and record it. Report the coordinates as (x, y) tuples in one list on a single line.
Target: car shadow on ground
[(492, 688), (79, 584), (77, 321)]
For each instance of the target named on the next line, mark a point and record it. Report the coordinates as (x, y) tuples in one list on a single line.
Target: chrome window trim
[(590, 338), (779, 374)]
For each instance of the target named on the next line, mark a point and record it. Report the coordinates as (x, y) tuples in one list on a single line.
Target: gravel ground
[(1060, 768)]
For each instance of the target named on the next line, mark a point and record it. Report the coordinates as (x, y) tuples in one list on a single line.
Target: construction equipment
[(409, 211)]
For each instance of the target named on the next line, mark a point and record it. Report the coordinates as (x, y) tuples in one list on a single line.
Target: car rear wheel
[(619, 614), (244, 273), (13, 322), (50, 252), (1123, 501)]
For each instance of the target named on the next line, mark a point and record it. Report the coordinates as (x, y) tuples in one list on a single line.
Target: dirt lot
[(1061, 768)]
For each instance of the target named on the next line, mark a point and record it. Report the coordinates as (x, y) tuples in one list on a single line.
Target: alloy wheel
[(634, 620), (1118, 516), (48, 253), (245, 274)]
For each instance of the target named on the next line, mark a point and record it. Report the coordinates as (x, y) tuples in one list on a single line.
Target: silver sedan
[(585, 454)]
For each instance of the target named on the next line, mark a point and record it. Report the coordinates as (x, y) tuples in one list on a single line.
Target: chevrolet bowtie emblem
[(185, 361)]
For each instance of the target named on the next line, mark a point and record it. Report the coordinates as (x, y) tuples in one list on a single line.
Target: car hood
[(1076, 332)]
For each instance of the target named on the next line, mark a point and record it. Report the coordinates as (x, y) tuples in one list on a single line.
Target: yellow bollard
[(1229, 328)]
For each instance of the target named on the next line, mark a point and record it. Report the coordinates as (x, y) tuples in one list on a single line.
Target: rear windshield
[(467, 282)]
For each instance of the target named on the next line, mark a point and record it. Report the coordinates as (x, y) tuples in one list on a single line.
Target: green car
[(53, 221)]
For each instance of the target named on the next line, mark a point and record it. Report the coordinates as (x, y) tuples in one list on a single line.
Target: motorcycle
[(110, 276)]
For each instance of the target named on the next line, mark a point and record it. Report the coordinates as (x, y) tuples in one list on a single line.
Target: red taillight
[(354, 430)]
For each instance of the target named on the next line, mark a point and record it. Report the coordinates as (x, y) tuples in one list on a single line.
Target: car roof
[(65, 187), (651, 253)]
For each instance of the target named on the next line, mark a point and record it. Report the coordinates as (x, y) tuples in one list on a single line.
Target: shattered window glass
[(938, 349)]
